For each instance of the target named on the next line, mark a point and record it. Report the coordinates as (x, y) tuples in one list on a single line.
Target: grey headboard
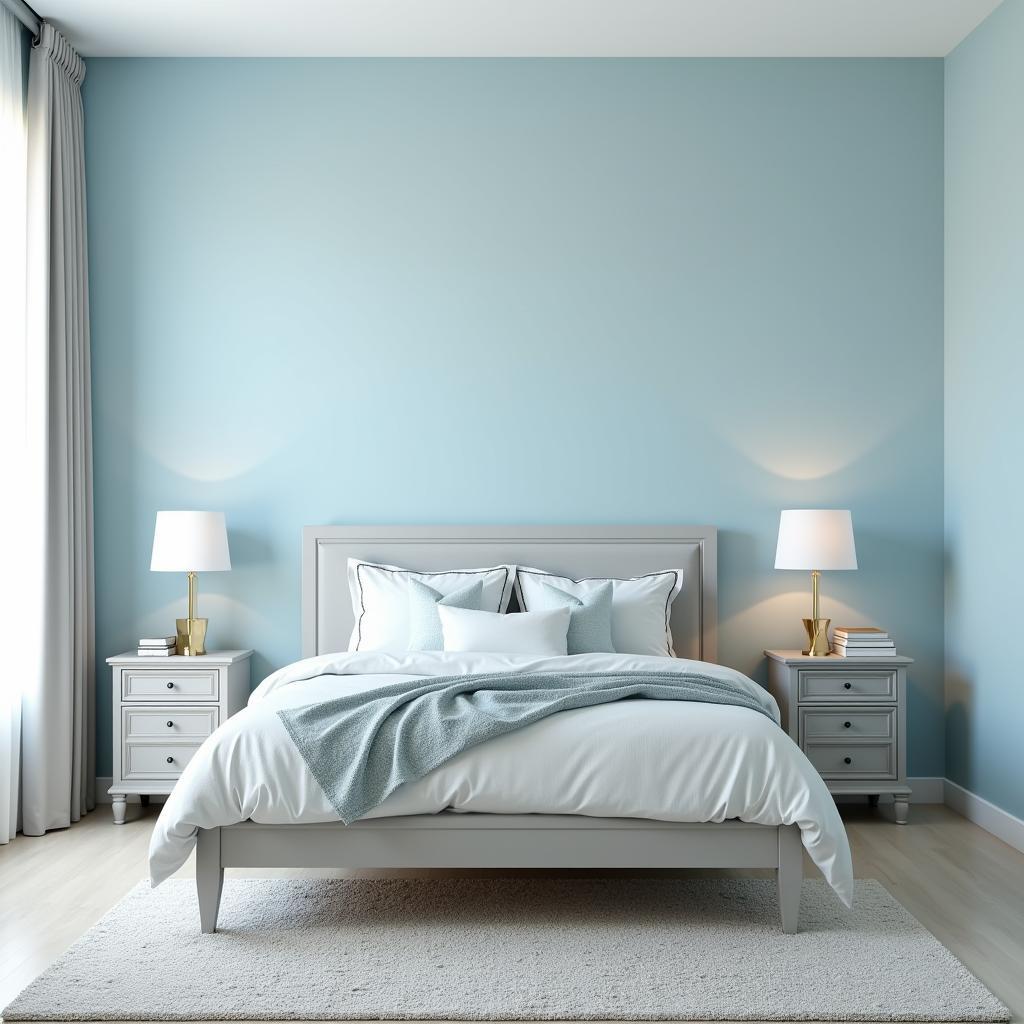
[(576, 551)]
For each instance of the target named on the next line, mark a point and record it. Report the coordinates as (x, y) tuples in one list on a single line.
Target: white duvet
[(669, 760)]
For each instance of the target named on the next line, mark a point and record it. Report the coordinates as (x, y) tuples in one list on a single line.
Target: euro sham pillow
[(520, 633), (641, 605), (381, 602), (590, 616)]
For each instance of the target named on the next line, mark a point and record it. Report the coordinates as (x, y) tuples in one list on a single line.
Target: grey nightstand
[(163, 710), (849, 716)]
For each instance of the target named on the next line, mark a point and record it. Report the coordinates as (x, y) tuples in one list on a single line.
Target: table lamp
[(190, 542), (816, 539)]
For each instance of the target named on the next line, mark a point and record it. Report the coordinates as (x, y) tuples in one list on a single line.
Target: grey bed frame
[(451, 840)]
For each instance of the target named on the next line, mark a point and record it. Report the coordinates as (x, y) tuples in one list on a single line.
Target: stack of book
[(862, 642), (158, 647)]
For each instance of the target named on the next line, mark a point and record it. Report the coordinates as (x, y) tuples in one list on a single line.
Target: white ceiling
[(516, 28)]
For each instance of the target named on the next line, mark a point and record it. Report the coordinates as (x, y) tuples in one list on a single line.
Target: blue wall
[(984, 418), (520, 291)]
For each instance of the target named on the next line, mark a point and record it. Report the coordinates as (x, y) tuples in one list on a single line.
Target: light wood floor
[(963, 884)]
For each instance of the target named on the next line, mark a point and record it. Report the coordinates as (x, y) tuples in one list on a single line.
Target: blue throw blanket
[(361, 747)]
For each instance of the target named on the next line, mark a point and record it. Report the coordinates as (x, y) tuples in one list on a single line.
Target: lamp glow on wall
[(816, 540), (190, 542)]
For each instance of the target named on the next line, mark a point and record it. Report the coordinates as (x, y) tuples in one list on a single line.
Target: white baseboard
[(1000, 823)]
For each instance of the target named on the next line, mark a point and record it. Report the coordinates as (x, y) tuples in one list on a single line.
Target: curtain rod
[(24, 14)]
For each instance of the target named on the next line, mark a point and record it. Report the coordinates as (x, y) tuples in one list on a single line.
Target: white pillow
[(641, 606), (521, 633), (380, 598)]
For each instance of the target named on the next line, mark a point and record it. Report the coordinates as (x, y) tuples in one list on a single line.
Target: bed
[(242, 803)]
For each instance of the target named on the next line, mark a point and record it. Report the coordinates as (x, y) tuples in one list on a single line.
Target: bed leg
[(209, 877), (790, 873)]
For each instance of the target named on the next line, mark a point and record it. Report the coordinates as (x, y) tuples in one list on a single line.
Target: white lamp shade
[(190, 542), (816, 538)]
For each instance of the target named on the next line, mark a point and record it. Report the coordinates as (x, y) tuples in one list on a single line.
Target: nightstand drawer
[(157, 760), (847, 723), (149, 684), (169, 722), (856, 760), (862, 686)]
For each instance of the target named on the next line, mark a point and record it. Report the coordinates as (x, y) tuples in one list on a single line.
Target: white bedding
[(669, 760)]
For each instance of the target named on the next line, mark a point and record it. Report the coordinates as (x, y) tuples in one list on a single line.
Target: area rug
[(507, 949)]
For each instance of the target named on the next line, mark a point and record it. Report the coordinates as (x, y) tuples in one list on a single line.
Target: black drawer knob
[(170, 686), (846, 686), (846, 760), (846, 725), (170, 725), (170, 760)]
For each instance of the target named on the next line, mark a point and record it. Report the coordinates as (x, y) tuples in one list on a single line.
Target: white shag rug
[(506, 949)]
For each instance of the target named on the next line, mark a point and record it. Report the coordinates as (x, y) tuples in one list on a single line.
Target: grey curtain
[(58, 757), (13, 58)]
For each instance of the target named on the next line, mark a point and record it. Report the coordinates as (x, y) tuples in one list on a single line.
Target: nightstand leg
[(120, 808), (902, 810)]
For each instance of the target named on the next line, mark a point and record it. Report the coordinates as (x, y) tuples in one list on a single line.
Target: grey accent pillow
[(590, 617), (424, 622)]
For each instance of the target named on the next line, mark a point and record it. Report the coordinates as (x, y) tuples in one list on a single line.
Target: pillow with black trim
[(381, 602), (641, 605)]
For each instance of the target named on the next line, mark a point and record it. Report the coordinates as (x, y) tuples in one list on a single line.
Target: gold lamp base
[(191, 638), (817, 637)]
